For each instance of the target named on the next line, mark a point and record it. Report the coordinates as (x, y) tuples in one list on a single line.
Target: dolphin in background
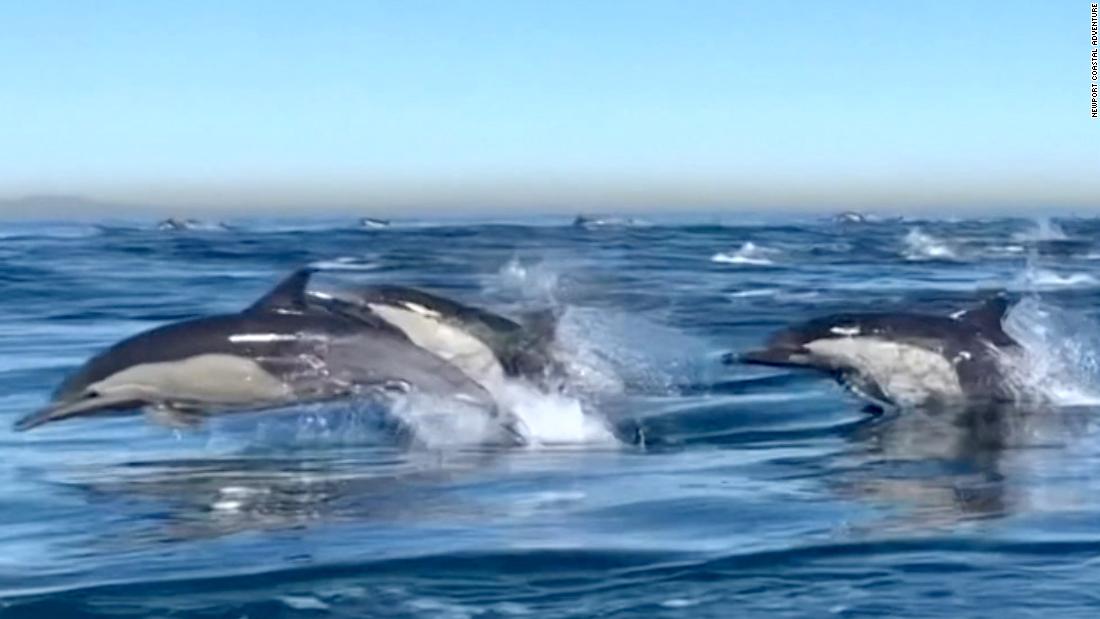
[(285, 348), (903, 359)]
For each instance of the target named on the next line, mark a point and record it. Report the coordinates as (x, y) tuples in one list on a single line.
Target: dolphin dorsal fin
[(288, 296), (987, 317)]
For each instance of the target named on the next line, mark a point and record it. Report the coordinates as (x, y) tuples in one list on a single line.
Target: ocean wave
[(755, 292), (1045, 279), (13, 231), (345, 263), (920, 246), (778, 294), (749, 254)]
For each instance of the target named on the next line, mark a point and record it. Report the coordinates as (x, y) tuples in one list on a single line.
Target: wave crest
[(749, 253)]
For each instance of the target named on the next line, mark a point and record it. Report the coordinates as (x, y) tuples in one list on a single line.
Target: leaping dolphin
[(285, 348), (484, 345), (904, 359)]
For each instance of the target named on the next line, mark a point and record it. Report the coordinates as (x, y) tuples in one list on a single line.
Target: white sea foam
[(749, 253), (303, 602), (920, 246)]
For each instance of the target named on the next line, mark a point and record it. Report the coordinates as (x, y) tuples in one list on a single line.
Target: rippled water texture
[(726, 491)]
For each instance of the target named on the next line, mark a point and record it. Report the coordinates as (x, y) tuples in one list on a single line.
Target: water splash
[(535, 281), (1046, 229), (552, 418), (1061, 353), (920, 246)]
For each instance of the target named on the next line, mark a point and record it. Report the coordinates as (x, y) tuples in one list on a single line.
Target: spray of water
[(1061, 353), (1045, 229), (920, 246), (604, 353)]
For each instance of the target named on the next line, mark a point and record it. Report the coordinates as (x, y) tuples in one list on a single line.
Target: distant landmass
[(52, 205)]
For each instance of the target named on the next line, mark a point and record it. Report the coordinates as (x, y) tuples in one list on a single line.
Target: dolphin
[(904, 359), (486, 346), (373, 222), (285, 348), (177, 224)]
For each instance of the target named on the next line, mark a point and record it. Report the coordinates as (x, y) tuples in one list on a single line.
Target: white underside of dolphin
[(906, 374), (428, 330)]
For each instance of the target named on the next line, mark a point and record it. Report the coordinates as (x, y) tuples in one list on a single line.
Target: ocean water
[(669, 485)]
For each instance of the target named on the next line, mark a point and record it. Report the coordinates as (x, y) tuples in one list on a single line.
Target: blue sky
[(550, 105)]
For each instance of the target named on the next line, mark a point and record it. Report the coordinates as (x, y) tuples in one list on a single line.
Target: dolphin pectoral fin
[(95, 404), (174, 416), (514, 431), (875, 410)]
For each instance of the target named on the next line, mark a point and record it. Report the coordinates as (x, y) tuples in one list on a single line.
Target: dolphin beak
[(781, 357), (77, 408)]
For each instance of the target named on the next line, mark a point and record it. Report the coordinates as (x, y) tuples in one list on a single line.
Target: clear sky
[(550, 105)]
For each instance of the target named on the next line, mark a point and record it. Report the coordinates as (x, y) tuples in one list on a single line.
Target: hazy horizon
[(502, 107)]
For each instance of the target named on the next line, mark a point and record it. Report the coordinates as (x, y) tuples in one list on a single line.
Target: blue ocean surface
[(670, 485)]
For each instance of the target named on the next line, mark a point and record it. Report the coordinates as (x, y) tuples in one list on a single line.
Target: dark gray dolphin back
[(982, 321)]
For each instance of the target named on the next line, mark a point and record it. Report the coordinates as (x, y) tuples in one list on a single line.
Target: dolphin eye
[(91, 393)]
